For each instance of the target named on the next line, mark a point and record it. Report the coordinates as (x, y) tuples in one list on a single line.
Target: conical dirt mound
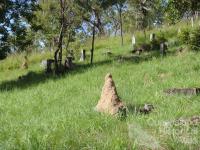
[(109, 102)]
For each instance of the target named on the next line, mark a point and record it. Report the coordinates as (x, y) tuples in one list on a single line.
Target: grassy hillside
[(51, 112)]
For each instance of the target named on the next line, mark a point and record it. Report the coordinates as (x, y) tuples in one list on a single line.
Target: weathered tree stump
[(184, 91)]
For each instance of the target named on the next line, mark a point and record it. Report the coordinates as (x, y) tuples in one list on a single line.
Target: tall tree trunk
[(58, 49), (58, 52), (92, 50), (121, 25), (99, 23)]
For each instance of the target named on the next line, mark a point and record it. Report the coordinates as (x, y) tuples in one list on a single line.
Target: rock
[(107, 53), (146, 109), (184, 91), (110, 102), (193, 121)]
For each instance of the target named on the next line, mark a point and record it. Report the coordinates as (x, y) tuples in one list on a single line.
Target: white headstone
[(152, 37), (133, 40), (192, 22), (83, 56), (43, 64)]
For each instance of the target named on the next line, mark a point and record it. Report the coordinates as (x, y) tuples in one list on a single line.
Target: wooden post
[(121, 25), (92, 50)]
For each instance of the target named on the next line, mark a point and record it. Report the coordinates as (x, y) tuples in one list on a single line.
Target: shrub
[(194, 41), (184, 36), (155, 44)]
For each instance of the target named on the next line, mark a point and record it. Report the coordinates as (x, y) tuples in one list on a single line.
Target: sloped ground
[(49, 112)]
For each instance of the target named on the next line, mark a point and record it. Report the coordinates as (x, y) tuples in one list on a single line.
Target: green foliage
[(195, 39), (184, 36), (176, 9), (50, 112), (15, 18), (160, 38), (190, 37)]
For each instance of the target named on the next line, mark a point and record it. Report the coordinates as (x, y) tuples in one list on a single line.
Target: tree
[(15, 20), (92, 13), (176, 9), (120, 6), (143, 12)]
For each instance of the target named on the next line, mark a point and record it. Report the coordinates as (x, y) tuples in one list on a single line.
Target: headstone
[(163, 48), (25, 63), (83, 55), (49, 66), (133, 41), (69, 63), (107, 53), (152, 37), (44, 64), (110, 102), (192, 21)]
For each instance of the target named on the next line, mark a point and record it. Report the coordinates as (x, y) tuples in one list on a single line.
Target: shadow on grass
[(134, 58), (34, 78)]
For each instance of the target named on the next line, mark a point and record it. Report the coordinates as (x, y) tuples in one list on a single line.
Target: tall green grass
[(57, 112)]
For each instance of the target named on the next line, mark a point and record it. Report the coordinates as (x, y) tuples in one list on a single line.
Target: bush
[(194, 41), (155, 44), (184, 36)]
